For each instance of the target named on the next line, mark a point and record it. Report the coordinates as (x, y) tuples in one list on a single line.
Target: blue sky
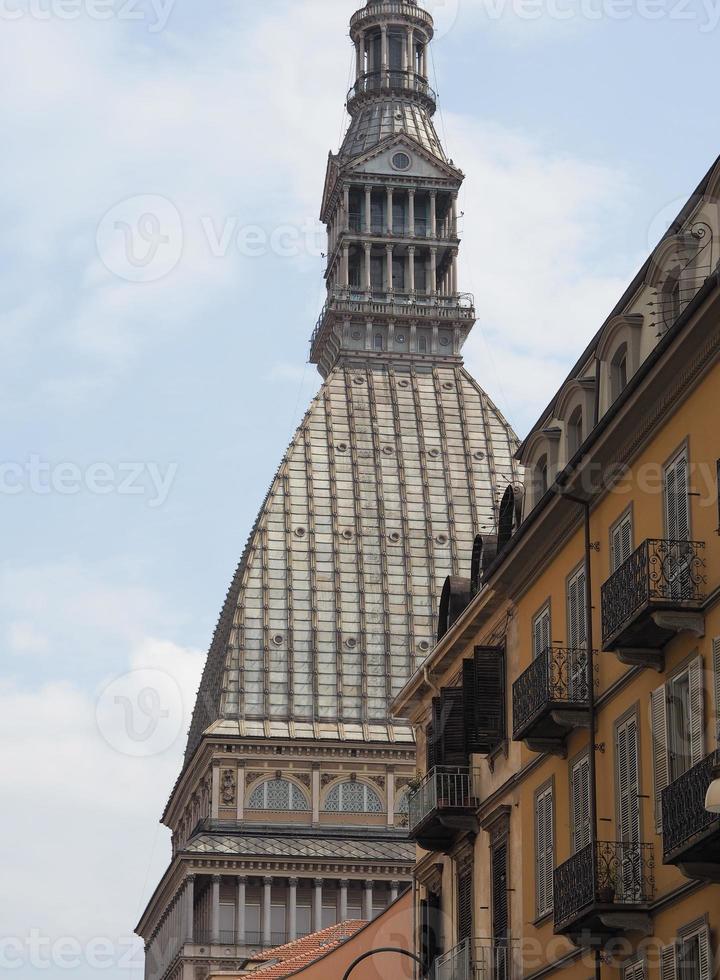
[(142, 421)]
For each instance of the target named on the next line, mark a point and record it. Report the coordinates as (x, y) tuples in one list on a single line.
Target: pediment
[(424, 165)]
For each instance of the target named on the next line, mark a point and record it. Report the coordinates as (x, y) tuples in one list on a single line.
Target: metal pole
[(383, 949)]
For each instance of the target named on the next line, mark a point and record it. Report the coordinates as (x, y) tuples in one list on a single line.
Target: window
[(575, 432), (401, 161), (227, 923), (465, 898), (636, 971), (577, 633), (621, 541), (580, 803), (619, 373), (541, 478), (500, 907), (353, 798), (422, 345), (541, 632), (677, 714), (677, 501), (690, 956), (278, 794), (629, 884), (544, 851), (378, 342)]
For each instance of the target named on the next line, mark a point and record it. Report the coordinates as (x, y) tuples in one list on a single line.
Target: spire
[(390, 207)]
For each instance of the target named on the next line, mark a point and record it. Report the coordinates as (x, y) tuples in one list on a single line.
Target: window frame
[(294, 791)]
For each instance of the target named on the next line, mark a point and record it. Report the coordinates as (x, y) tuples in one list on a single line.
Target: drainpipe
[(592, 712)]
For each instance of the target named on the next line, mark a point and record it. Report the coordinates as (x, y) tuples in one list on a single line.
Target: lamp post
[(383, 949)]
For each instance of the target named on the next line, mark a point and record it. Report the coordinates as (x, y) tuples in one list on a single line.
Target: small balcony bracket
[(681, 622), (635, 657), (548, 746)]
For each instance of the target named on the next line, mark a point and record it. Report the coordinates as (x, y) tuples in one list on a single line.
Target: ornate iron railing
[(603, 873), (380, 81), (683, 806), (475, 959), (557, 675), (659, 572), (459, 307), (442, 789), (381, 8)]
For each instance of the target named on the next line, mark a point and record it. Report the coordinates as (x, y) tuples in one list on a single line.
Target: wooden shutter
[(453, 746), (621, 542), (677, 500), (580, 803), (500, 917), (626, 760), (544, 851), (668, 963), (484, 691), (697, 712), (541, 632), (465, 902), (636, 971), (716, 685), (661, 757), (577, 611)]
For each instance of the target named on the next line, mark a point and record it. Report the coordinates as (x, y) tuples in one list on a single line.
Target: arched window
[(278, 794), (575, 432), (402, 810), (619, 372), (541, 478), (353, 798)]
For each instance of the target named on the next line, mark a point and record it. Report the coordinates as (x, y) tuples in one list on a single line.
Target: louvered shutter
[(577, 631), (626, 752), (668, 963), (581, 831), (544, 852), (465, 902), (697, 712), (677, 500), (661, 757), (706, 957), (636, 971), (453, 746), (621, 542), (500, 918), (484, 686), (716, 685), (541, 633)]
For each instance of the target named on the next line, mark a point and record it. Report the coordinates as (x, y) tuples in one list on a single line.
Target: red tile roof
[(302, 952)]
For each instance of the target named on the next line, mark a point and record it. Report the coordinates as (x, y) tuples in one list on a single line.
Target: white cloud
[(85, 813)]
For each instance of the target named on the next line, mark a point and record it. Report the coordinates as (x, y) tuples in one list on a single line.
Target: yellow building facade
[(568, 718)]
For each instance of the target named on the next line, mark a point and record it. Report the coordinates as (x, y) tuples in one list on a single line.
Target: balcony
[(603, 891), (656, 594), (384, 9), (475, 959), (386, 82), (550, 699), (443, 807), (691, 834)]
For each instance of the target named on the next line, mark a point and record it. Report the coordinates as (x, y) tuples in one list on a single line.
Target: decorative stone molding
[(252, 777), (228, 787)]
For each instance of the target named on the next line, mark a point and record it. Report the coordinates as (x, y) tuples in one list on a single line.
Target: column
[(215, 927), (292, 908), (346, 207), (190, 908), (423, 60), (368, 900), (391, 797), (267, 912), (389, 223), (454, 274), (369, 335), (368, 267), (389, 269), (317, 904), (405, 61), (360, 51), (454, 220), (215, 800), (385, 58), (241, 792), (343, 900), (345, 266), (240, 927), (432, 229), (316, 792), (394, 891), (368, 210), (411, 212), (411, 276), (432, 287), (411, 52)]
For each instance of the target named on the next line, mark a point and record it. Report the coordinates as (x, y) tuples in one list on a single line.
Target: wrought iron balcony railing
[(553, 686), (660, 575), (475, 959), (691, 834), (391, 80), (603, 877), (443, 805)]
